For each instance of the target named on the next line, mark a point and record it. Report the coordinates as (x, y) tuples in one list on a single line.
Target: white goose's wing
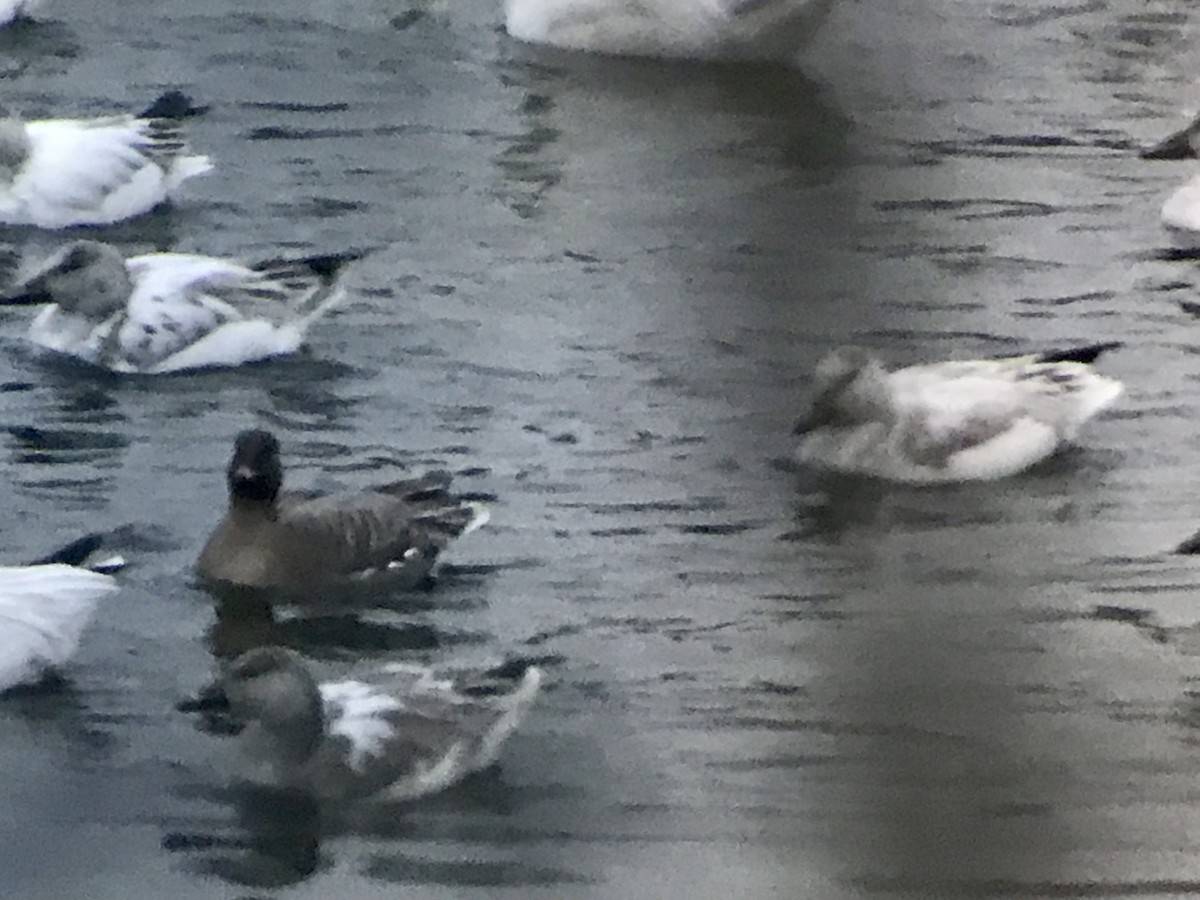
[(409, 734), (171, 308), (43, 610), (100, 171), (75, 165), (943, 412), (190, 311)]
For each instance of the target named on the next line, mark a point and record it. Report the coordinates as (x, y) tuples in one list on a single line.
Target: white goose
[(56, 173), (395, 734), (747, 30), (1181, 210), (44, 608), (951, 421), (169, 312), (12, 10)]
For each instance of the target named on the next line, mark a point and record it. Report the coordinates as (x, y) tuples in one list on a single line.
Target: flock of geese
[(401, 731)]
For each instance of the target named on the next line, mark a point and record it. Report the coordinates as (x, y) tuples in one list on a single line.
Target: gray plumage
[(272, 539), (396, 733)]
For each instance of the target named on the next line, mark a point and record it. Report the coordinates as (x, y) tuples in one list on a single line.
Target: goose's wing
[(191, 311), (175, 303), (43, 610), (420, 737), (74, 164), (376, 530), (355, 533), (944, 411)]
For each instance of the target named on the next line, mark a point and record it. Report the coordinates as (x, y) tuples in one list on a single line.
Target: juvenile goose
[(1181, 211), (396, 734), (56, 173), (746, 30), (44, 607), (168, 312), (272, 539), (951, 421)]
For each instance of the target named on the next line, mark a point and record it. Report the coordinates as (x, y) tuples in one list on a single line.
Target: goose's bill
[(804, 424), (27, 292), (1177, 146), (213, 706)]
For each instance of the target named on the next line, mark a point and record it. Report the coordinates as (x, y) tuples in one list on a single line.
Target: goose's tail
[(1086, 355), (78, 552)]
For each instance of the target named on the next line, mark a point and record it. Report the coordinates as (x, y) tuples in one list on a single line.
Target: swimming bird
[(744, 30), (949, 421), (44, 607), (168, 312), (395, 734), (1181, 210), (275, 539), (12, 10), (56, 173)]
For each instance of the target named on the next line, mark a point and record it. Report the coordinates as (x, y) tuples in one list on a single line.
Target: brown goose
[(274, 539)]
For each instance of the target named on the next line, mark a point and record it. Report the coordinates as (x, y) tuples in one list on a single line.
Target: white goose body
[(170, 312), (760, 30), (58, 173), (953, 421), (43, 611)]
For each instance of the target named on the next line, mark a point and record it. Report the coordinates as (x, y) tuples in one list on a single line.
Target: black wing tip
[(172, 105), (1086, 355), (74, 553), (327, 266)]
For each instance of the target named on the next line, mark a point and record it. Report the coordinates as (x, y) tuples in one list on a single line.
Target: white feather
[(11, 10), (43, 611), (90, 172), (354, 710), (682, 29)]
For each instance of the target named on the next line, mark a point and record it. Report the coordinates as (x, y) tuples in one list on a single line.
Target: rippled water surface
[(594, 290)]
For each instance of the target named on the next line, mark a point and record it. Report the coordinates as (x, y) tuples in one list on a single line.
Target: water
[(595, 289)]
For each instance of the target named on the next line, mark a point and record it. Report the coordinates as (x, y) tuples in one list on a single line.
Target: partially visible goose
[(168, 312), (44, 607), (746, 30), (1181, 210), (395, 734), (273, 539), (56, 173), (951, 421), (12, 10)]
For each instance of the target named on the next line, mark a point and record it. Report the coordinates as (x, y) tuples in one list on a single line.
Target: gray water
[(595, 289)]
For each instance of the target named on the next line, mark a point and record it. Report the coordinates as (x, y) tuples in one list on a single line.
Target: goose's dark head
[(255, 472)]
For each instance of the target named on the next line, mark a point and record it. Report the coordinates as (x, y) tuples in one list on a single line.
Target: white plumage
[(57, 173), (763, 30), (43, 611), (951, 421), (168, 312), (12, 10), (396, 734)]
